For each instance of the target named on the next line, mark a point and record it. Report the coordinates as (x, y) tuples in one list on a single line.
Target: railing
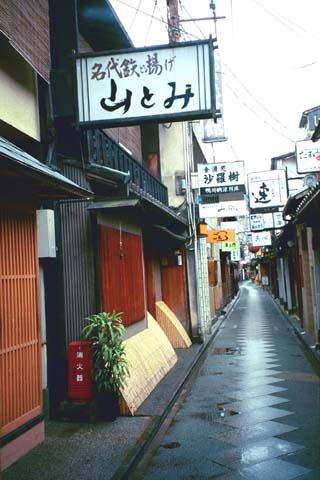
[(104, 151)]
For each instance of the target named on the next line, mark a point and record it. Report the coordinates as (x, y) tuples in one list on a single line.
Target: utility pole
[(173, 21), (183, 131)]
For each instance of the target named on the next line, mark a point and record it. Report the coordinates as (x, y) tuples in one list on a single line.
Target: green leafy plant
[(106, 331)]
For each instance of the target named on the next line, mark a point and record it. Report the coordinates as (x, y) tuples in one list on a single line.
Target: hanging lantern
[(253, 249)]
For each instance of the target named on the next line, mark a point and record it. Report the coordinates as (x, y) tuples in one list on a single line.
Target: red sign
[(80, 369)]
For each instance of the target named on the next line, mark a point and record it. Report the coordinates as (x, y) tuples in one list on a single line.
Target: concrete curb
[(133, 458), (299, 332)]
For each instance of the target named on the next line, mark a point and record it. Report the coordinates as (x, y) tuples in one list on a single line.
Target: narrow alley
[(251, 411)]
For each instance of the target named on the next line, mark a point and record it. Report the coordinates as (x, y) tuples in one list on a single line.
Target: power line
[(308, 65), (233, 150), (258, 116), (255, 99), (278, 18), (188, 35), (163, 6), (152, 18), (134, 17), (142, 11), (195, 23), (299, 26)]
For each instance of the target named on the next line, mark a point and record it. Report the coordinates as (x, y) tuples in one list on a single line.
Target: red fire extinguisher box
[(80, 367)]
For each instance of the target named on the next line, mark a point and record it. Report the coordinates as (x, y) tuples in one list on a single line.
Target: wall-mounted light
[(178, 255), (202, 228)]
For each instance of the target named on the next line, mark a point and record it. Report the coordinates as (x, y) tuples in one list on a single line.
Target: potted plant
[(110, 367)]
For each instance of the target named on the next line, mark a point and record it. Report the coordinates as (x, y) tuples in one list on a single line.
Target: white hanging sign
[(267, 189), (261, 239), (216, 178), (308, 156), (158, 83), (235, 255), (223, 209)]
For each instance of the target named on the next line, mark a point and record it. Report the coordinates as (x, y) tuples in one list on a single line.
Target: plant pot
[(107, 405)]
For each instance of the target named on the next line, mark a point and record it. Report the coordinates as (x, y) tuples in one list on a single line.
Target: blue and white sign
[(266, 221)]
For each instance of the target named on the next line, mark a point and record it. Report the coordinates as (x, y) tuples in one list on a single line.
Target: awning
[(294, 201), (159, 222), (100, 25), (112, 204), (23, 173), (316, 134), (101, 172), (299, 205), (149, 206), (171, 235)]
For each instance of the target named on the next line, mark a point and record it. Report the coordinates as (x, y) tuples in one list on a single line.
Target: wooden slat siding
[(20, 349), (122, 285), (150, 282), (77, 256)]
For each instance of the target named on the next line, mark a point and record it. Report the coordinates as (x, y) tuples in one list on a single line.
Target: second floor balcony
[(104, 151)]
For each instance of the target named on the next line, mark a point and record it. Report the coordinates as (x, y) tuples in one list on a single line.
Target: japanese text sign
[(261, 239), (267, 189), (129, 87), (235, 255), (80, 365), (278, 221), (221, 177), (230, 246), (308, 156), (214, 236), (265, 221), (223, 209)]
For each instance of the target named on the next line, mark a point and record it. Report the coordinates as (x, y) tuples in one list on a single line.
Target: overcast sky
[(270, 63)]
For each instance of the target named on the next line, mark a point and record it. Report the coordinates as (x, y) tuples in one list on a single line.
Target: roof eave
[(100, 25)]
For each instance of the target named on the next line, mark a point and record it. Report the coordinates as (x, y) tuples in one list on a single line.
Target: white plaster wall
[(173, 151), (19, 102)]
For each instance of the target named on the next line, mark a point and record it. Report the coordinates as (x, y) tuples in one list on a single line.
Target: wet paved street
[(252, 410)]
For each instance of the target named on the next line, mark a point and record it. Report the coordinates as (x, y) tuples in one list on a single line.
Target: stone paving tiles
[(260, 373), (256, 402), (256, 452), (256, 392), (242, 436), (254, 382), (256, 416), (274, 469), (240, 412)]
